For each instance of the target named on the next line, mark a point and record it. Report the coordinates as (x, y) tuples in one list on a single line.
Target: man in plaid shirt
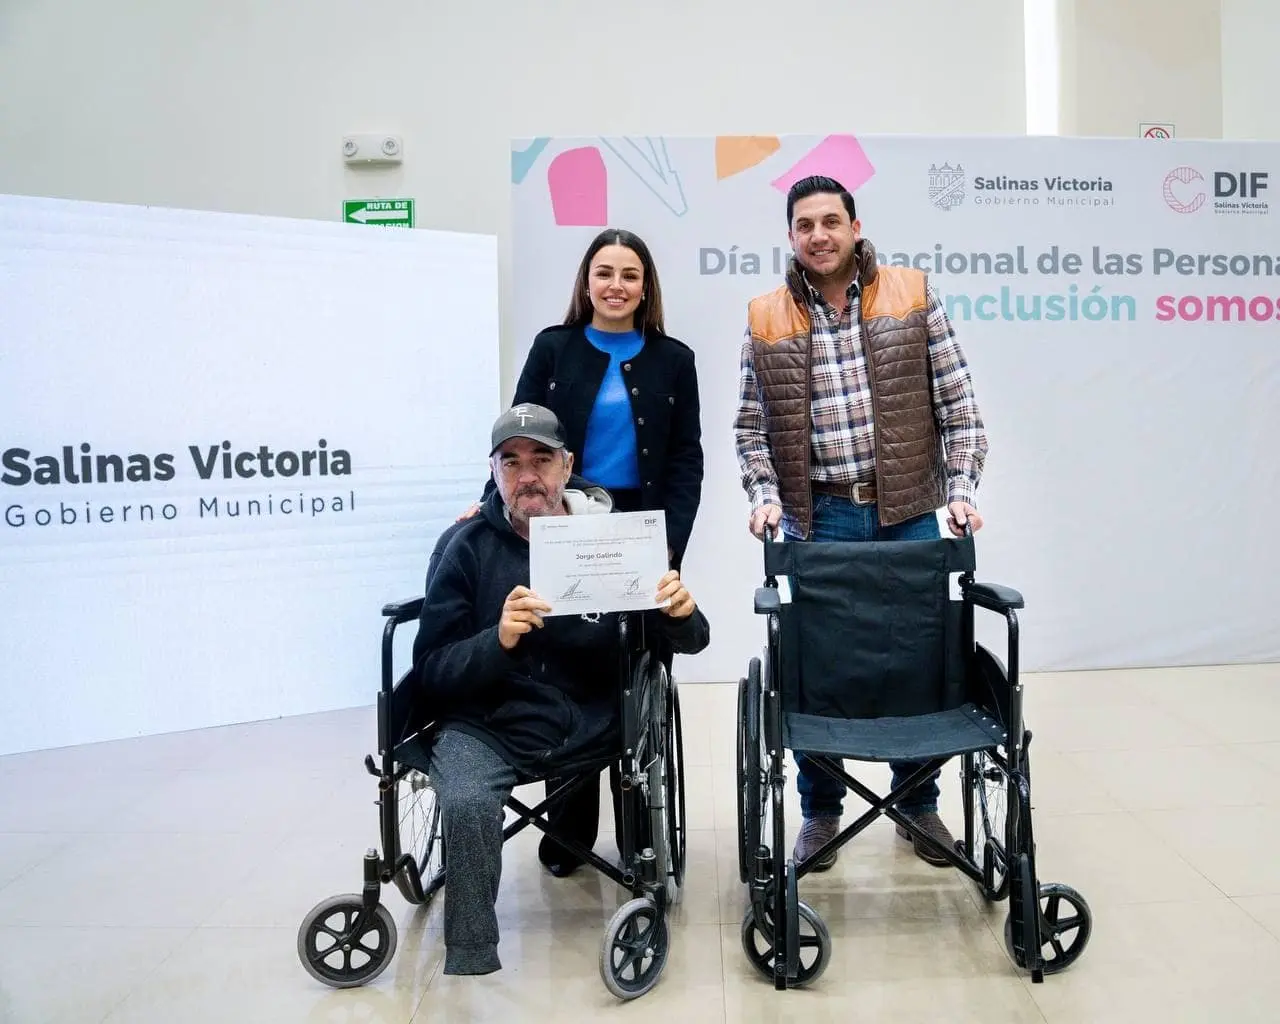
[(914, 371)]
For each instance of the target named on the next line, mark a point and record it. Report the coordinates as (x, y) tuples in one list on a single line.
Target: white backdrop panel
[(1131, 406), (160, 333)]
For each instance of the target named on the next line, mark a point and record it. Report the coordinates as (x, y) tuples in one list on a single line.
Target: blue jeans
[(839, 519)]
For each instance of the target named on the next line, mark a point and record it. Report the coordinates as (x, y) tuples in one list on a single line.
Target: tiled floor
[(163, 880)]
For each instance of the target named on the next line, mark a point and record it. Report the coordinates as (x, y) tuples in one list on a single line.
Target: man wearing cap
[(516, 694), (856, 422)]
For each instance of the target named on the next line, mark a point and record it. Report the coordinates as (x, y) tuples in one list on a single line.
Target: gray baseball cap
[(535, 422)]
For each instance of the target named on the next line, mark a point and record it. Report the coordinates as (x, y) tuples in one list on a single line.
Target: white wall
[(1250, 44), (1128, 61), (240, 105)]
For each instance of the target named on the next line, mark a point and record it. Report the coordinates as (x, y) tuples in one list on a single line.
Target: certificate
[(601, 562)]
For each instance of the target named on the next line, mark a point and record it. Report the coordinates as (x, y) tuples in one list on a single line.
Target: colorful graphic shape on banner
[(646, 157), (578, 178), (837, 156), (579, 186), (522, 160), (738, 153)]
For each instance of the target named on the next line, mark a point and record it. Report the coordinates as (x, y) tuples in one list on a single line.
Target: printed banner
[(1119, 306), (226, 442)]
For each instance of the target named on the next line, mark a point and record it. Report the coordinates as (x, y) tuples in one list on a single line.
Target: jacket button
[(640, 421), (626, 366), (648, 483), (635, 391), (552, 386), (671, 399)]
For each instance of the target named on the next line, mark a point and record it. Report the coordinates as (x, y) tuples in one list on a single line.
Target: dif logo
[(1233, 191)]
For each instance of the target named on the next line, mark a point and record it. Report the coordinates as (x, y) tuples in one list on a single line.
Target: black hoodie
[(550, 702)]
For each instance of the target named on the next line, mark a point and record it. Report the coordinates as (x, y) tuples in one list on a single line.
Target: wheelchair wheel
[(990, 795), (750, 768), (673, 783), (634, 950), (1066, 923), (417, 810), (813, 943), (333, 953)]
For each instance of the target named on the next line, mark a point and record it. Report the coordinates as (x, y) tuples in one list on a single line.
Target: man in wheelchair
[(516, 696)]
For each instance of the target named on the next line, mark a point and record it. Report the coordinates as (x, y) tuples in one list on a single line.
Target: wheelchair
[(348, 940), (869, 657)]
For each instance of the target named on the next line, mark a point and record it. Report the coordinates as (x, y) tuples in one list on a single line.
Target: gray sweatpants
[(472, 783)]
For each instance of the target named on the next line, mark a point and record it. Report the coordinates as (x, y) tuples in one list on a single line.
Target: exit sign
[(387, 213)]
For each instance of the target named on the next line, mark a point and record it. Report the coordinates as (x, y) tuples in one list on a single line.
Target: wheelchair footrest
[(918, 738)]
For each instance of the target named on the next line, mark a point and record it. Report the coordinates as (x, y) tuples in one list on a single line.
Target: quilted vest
[(910, 467)]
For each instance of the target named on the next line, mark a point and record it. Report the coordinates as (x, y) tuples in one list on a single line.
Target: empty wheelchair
[(347, 940), (868, 657)]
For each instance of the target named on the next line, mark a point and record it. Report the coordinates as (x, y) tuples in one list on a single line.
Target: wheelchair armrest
[(767, 600), (993, 596), (403, 611)]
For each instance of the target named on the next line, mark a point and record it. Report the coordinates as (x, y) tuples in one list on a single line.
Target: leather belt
[(863, 493)]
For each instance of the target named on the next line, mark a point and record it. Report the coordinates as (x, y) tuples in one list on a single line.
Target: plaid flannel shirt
[(842, 426)]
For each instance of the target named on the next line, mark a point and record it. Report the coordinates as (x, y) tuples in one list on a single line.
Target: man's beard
[(548, 508)]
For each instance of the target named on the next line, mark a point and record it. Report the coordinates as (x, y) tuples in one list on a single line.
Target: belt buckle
[(855, 492)]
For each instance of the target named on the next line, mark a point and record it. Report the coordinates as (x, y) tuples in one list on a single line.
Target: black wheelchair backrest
[(870, 629)]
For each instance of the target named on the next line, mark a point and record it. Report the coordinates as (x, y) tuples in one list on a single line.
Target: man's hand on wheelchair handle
[(521, 613), (960, 512), (681, 601), (473, 510), (765, 516)]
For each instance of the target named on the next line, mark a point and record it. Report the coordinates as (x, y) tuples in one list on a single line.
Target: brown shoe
[(932, 826), (815, 833)]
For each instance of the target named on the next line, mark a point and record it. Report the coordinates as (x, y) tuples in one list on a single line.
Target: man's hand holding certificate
[(604, 563)]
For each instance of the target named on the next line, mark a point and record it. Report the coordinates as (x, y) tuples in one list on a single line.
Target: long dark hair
[(648, 315)]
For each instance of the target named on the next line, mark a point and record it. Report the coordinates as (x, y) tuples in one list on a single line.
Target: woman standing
[(627, 394)]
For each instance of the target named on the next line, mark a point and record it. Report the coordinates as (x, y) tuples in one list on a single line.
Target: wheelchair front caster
[(634, 950), (1065, 925), (814, 944), (338, 949)]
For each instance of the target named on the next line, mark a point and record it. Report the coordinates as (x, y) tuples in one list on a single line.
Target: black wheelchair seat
[(415, 752), (914, 738)]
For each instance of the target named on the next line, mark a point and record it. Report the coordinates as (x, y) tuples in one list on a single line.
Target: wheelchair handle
[(771, 532)]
